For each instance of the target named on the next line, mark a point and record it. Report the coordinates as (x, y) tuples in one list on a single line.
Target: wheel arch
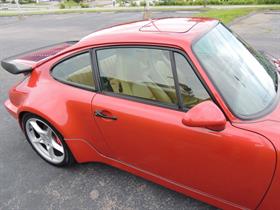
[(89, 154), (50, 120)]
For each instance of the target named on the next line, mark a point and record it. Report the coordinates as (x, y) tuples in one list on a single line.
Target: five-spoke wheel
[(46, 141)]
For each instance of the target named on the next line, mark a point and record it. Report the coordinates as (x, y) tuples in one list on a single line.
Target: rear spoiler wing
[(25, 62), (16, 67)]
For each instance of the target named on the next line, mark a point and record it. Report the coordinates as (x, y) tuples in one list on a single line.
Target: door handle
[(98, 113)]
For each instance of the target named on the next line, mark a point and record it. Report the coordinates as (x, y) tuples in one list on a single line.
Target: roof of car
[(166, 31)]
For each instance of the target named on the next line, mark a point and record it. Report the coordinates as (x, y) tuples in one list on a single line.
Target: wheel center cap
[(46, 140)]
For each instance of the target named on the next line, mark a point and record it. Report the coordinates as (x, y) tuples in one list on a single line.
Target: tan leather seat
[(164, 72), (83, 76), (134, 81), (120, 86), (165, 75), (108, 66)]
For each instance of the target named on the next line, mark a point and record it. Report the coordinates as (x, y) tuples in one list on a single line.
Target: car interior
[(131, 72), (143, 73), (82, 76)]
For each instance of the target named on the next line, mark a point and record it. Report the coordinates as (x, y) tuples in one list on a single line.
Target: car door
[(76, 73), (144, 95)]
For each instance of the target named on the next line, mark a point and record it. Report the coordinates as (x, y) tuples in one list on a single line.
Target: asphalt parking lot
[(27, 182)]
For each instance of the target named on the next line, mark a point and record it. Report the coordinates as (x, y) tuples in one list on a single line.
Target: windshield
[(244, 77)]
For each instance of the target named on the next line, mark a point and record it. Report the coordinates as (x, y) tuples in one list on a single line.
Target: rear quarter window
[(76, 70)]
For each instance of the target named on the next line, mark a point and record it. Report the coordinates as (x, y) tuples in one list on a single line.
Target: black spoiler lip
[(15, 67)]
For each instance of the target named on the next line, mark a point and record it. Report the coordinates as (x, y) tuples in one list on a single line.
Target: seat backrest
[(165, 75), (128, 71), (137, 77), (108, 66), (83, 76)]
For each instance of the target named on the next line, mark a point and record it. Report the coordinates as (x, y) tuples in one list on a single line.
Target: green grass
[(229, 15), (69, 4), (92, 10), (216, 2), (226, 15), (42, 3)]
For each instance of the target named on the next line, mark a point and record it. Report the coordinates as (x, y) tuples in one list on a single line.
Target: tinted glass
[(192, 91), (139, 72), (244, 78), (75, 70)]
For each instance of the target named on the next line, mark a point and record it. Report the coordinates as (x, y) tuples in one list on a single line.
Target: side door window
[(191, 89), (75, 70), (143, 73), (147, 73)]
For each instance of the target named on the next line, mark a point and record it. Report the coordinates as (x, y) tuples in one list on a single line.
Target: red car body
[(235, 167)]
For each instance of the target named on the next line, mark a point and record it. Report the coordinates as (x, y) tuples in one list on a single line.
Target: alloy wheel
[(45, 141)]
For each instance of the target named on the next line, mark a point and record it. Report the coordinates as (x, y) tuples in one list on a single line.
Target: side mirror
[(205, 115)]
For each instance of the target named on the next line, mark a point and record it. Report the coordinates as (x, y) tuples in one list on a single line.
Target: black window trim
[(73, 84), (176, 79), (197, 74), (171, 50)]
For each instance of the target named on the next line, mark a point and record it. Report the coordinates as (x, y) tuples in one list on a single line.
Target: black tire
[(68, 157)]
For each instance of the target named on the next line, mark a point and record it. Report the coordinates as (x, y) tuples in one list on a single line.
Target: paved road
[(27, 182), (261, 30), (52, 6)]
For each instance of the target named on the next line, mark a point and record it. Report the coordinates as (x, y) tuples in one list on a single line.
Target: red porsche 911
[(183, 102)]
